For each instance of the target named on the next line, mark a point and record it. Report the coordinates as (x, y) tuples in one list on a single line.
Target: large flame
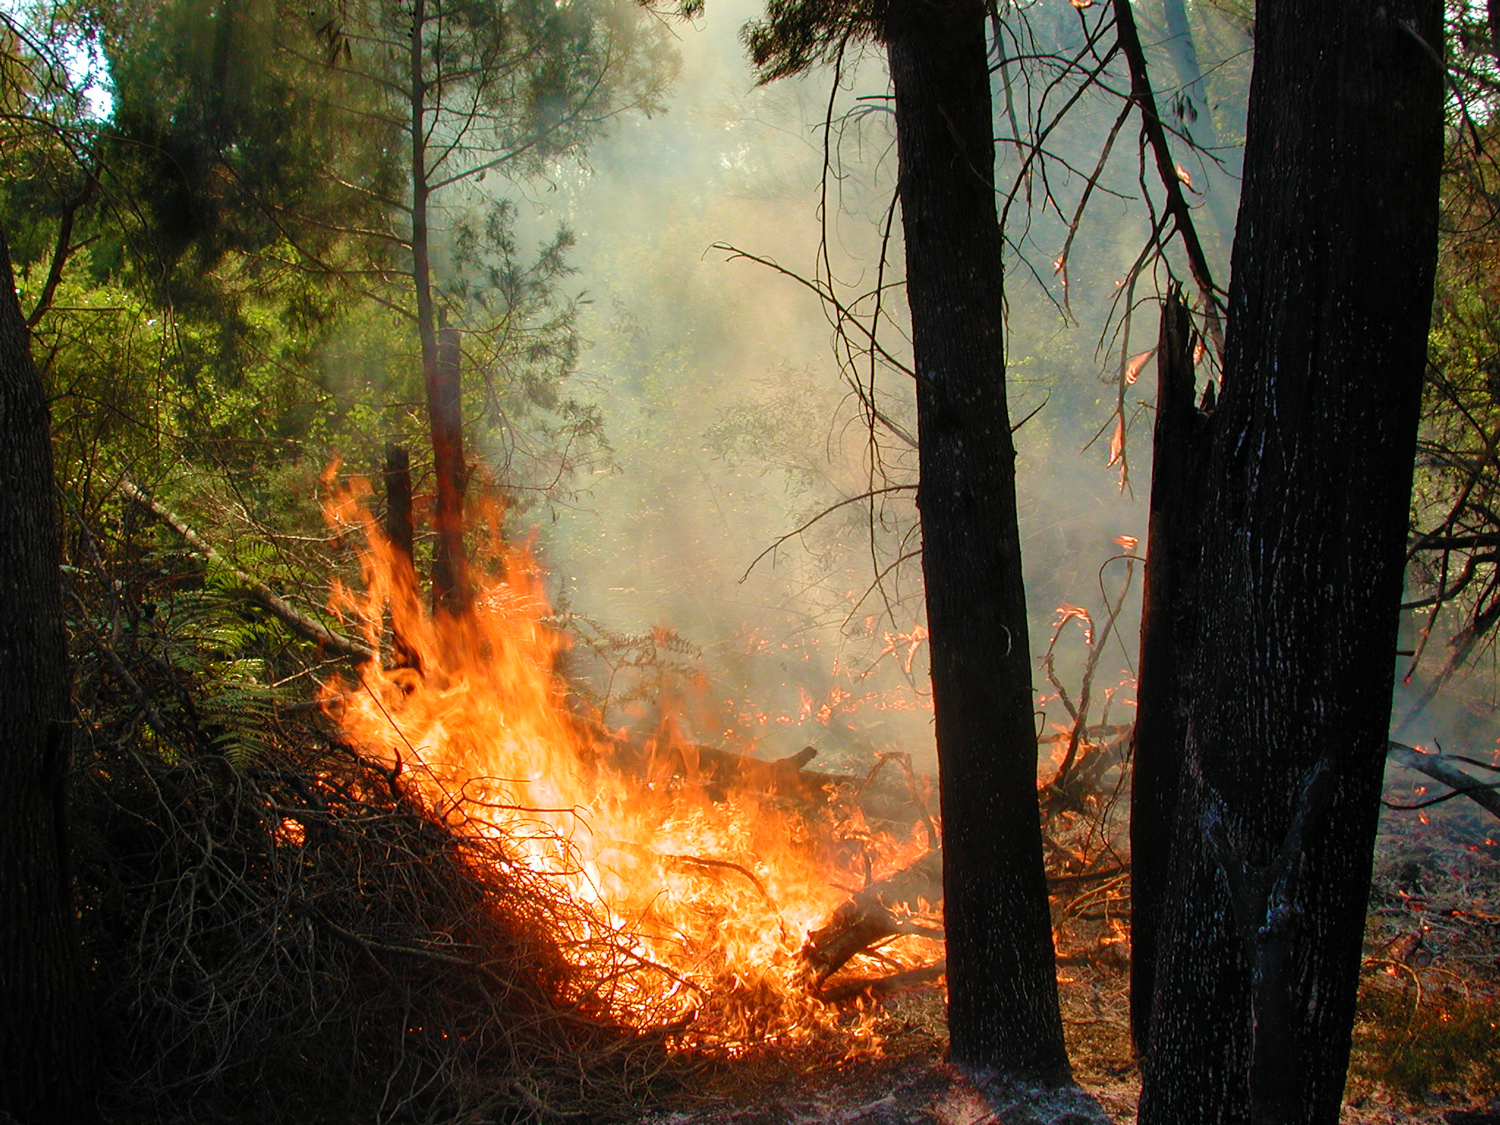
[(697, 881)]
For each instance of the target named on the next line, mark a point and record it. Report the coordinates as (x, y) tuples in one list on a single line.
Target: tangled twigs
[(312, 932)]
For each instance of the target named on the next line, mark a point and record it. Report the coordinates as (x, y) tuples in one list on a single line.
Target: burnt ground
[(1427, 1041)]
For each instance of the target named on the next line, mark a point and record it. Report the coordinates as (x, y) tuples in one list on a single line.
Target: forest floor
[(1427, 1041)]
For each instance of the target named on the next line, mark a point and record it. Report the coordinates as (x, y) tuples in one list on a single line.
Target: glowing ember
[(695, 882)]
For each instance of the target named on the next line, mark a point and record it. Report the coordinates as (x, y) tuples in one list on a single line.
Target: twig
[(1177, 207)]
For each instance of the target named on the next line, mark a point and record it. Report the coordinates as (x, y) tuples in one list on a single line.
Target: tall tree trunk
[(1308, 481), (1002, 988), (1169, 601), (44, 1056), (440, 370)]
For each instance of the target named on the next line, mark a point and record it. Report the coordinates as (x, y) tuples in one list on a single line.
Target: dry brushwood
[(293, 933), (313, 933)]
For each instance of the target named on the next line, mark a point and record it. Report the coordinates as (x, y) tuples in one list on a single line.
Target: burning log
[(722, 771), (880, 910), (1484, 794)]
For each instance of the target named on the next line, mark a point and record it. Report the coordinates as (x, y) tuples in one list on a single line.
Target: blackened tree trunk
[(43, 1041), (1169, 600), (450, 561), (1002, 988), (1308, 481)]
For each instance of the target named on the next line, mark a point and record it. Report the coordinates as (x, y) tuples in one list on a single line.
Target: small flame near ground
[(691, 894)]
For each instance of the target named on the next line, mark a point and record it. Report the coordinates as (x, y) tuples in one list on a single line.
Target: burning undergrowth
[(694, 875), (277, 927), (444, 891)]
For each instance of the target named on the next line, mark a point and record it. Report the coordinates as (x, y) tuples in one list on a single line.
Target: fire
[(694, 877)]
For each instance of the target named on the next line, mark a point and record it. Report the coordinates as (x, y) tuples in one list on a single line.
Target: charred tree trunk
[(44, 1056), (1307, 482), (1002, 989), (399, 528), (401, 531), (1169, 601), (450, 562)]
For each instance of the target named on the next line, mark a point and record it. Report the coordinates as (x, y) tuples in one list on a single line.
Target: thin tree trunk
[(1002, 989), (1308, 482), (440, 375), (450, 566), (401, 531), (45, 1046), (1169, 602)]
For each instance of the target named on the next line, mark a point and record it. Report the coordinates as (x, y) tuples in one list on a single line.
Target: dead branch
[(253, 588), (871, 915), (1177, 208), (1483, 794)]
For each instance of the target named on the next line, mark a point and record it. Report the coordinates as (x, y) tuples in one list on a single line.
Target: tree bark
[(44, 1040), (1308, 481), (1002, 989), (401, 531), (450, 561), (1169, 600), (440, 353)]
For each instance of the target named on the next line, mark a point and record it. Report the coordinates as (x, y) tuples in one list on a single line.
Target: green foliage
[(231, 141), (797, 35)]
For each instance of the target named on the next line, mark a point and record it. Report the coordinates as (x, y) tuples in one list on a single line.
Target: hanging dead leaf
[(1134, 364)]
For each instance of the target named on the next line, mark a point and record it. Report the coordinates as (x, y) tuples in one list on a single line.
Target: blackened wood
[(1169, 599), (872, 914), (45, 1045), (398, 517), (1303, 548), (1002, 988), (1485, 794), (450, 567), (1155, 134), (401, 532)]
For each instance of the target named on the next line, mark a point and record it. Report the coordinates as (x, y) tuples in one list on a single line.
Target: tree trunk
[(1308, 480), (440, 368), (1169, 600), (44, 1041), (450, 561), (1002, 988), (401, 531)]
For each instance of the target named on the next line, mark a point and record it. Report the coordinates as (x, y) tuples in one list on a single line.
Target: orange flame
[(698, 880)]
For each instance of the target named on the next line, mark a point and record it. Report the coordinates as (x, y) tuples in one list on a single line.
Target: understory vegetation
[(250, 244)]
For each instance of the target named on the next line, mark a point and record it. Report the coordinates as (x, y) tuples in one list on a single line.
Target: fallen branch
[(255, 589), (883, 986), (1483, 794), (870, 916)]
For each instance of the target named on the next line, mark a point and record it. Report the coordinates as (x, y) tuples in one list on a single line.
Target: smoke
[(733, 423)]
